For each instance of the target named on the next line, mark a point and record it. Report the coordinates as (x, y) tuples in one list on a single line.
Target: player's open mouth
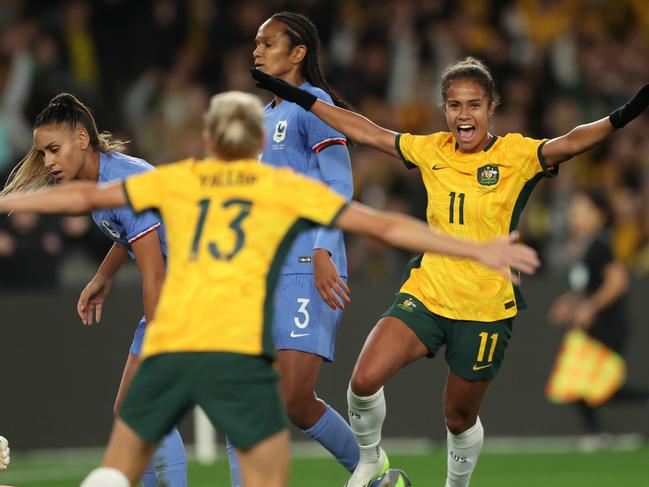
[(465, 132), (58, 175)]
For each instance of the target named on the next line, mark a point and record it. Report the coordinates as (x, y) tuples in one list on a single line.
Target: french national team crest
[(280, 131), (488, 175)]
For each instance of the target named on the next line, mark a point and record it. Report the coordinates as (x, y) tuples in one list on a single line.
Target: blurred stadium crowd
[(147, 68)]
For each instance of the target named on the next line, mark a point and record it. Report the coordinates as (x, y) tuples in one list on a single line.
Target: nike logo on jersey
[(298, 335), (477, 367), (437, 168)]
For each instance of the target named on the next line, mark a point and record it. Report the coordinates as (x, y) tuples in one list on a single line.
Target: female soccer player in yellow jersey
[(477, 185), (230, 221)]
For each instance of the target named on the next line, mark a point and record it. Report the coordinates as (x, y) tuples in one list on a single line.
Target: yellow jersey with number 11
[(476, 196), (229, 226)]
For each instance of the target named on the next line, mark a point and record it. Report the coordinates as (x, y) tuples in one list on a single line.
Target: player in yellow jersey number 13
[(229, 223), (477, 185)]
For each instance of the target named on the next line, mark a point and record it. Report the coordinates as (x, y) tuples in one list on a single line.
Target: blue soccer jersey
[(295, 138), (121, 225)]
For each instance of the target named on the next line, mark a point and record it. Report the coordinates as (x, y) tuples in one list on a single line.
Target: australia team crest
[(407, 305), (280, 131), (488, 175)]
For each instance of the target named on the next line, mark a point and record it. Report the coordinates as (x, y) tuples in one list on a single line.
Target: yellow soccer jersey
[(229, 226), (476, 196)]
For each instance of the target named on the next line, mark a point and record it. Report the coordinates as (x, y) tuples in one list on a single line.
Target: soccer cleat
[(367, 472), (4, 453), (392, 478)]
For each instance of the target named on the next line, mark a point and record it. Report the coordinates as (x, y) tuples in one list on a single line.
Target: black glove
[(634, 107), (286, 91)]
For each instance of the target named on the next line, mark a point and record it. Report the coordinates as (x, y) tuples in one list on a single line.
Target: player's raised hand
[(503, 253), (92, 299), (634, 107), (282, 89), (5, 459), (328, 282)]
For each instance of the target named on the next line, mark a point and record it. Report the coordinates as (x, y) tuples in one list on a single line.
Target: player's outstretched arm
[(73, 198), (399, 230), (352, 125), (583, 137)]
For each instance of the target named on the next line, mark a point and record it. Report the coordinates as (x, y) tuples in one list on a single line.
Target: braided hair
[(301, 31)]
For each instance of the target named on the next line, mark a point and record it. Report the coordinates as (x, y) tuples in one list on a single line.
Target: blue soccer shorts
[(302, 320)]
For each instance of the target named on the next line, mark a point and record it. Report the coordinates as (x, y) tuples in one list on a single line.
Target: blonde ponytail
[(108, 143), (29, 174)]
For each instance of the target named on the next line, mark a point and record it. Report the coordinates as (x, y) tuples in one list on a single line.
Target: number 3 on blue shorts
[(303, 318)]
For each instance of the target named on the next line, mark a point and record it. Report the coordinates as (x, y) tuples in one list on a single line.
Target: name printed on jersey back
[(228, 177)]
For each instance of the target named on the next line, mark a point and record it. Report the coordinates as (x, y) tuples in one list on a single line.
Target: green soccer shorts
[(474, 349), (239, 393)]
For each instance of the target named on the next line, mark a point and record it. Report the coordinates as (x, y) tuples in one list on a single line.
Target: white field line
[(306, 449), (497, 445)]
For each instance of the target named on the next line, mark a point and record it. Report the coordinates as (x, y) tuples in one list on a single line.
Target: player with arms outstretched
[(477, 185), (230, 222)]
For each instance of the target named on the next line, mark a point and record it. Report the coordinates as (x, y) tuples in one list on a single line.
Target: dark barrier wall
[(58, 378)]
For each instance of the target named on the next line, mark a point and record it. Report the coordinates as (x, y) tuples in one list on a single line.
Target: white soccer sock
[(463, 451), (366, 416), (106, 477)]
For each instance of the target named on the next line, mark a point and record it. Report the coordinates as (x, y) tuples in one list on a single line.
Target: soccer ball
[(394, 477), (4, 453)]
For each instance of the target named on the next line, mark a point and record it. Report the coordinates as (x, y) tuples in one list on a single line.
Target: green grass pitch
[(600, 469)]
